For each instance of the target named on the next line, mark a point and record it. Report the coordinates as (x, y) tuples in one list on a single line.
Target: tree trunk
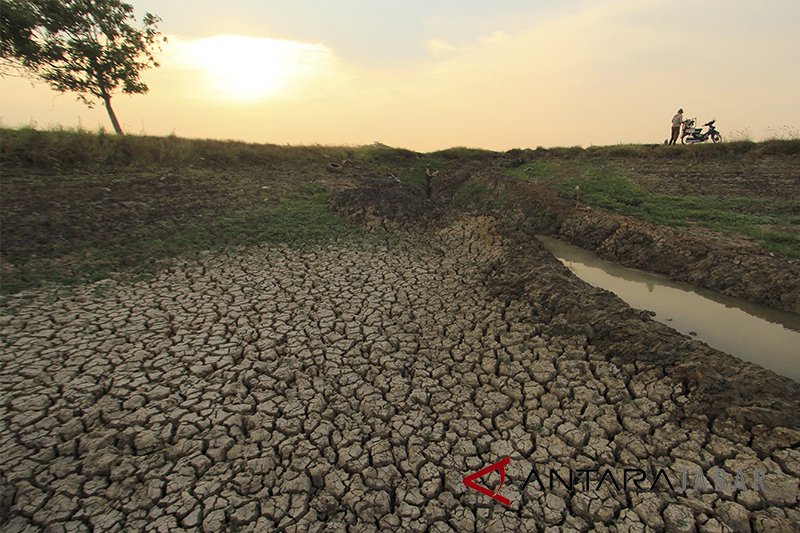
[(112, 115)]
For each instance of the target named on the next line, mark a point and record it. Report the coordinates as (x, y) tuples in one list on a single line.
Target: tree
[(89, 47)]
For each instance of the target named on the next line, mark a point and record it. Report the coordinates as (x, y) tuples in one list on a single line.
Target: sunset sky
[(431, 74)]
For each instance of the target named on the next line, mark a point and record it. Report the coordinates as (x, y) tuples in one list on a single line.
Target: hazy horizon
[(495, 75)]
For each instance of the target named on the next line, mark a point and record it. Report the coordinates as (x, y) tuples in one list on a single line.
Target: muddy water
[(754, 333)]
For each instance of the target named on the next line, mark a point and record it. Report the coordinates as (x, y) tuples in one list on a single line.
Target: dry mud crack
[(351, 388)]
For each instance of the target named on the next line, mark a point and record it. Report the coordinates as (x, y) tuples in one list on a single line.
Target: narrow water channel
[(755, 333)]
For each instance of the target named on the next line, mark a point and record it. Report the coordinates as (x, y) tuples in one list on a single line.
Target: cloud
[(440, 47)]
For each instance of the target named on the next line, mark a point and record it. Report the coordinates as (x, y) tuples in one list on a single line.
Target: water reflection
[(765, 336)]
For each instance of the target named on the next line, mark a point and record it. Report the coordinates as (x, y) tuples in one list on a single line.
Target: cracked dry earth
[(347, 388)]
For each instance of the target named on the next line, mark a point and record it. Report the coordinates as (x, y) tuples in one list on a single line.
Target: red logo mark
[(469, 481)]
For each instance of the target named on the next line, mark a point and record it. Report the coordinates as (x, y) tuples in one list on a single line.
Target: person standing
[(677, 120)]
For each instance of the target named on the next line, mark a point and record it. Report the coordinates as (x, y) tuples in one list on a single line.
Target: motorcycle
[(692, 135)]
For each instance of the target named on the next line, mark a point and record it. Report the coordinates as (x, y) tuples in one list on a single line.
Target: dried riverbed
[(352, 387)]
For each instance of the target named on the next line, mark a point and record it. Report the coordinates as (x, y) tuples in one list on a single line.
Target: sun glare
[(247, 69)]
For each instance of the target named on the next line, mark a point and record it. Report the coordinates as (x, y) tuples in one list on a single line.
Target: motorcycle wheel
[(684, 140), (716, 137)]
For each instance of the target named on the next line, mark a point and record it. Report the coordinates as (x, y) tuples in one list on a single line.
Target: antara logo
[(637, 479), (469, 481)]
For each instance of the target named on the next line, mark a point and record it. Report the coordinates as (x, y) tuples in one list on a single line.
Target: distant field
[(745, 196), (80, 206)]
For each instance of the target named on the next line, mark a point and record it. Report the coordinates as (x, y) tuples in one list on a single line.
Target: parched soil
[(352, 388)]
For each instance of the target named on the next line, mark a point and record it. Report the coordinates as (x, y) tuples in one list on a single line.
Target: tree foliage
[(90, 47)]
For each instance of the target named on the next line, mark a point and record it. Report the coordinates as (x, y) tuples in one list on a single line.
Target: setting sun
[(247, 69)]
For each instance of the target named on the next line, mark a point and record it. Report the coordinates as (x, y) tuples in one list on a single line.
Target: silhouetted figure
[(677, 120)]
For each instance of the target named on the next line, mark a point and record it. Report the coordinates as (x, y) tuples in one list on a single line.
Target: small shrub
[(463, 153)]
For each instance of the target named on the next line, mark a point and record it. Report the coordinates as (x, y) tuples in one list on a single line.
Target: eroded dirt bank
[(352, 387), (735, 267)]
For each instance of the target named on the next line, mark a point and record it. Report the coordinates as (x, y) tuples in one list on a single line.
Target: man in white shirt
[(677, 120)]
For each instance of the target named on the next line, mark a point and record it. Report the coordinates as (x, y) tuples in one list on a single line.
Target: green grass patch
[(483, 193), (539, 170), (300, 221), (475, 193), (603, 184)]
